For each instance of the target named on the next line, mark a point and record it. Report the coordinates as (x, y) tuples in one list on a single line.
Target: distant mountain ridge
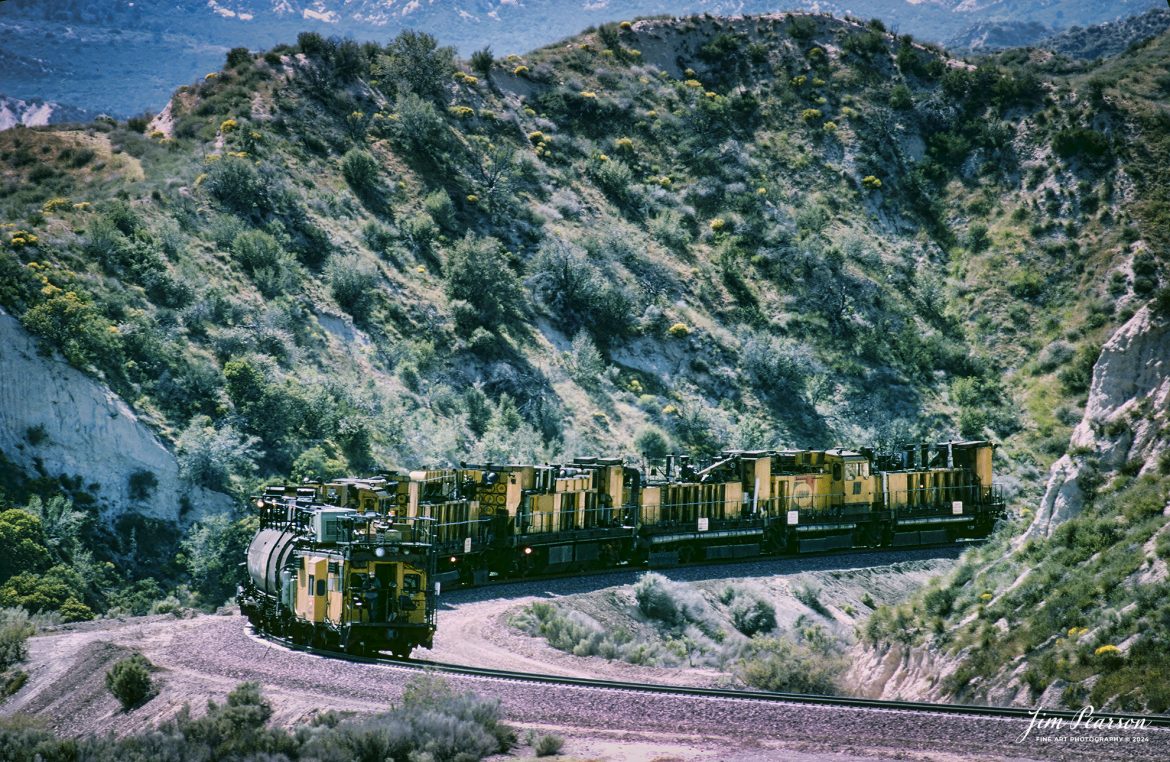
[(126, 56), (37, 113)]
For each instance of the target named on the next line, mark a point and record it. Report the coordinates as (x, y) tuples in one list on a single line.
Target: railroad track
[(1117, 719)]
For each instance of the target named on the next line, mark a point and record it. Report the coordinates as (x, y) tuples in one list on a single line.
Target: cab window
[(411, 583)]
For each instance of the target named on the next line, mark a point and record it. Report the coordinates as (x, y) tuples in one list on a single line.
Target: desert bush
[(241, 188), (584, 362), (414, 63), (209, 456), (675, 604), (751, 615), (130, 681), (810, 597), (354, 284), (548, 745), (360, 169), (478, 272), (788, 664), (652, 443), (15, 630)]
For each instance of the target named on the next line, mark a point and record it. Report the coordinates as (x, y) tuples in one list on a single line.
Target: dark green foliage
[(130, 681), (15, 630), (577, 294), (257, 251), (652, 443), (237, 57), (362, 172), (354, 285), (421, 127), (721, 48), (414, 62), (478, 272), (240, 187), (23, 541), (482, 61), (211, 554), (900, 97), (1076, 376), (802, 27), (1080, 142)]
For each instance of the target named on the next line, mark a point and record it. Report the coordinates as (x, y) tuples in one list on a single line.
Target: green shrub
[(211, 553), (1080, 141), (752, 616), (548, 745), (652, 443), (354, 284), (15, 630), (240, 188), (130, 681), (209, 456), (482, 61), (805, 663), (69, 323), (362, 172), (415, 63), (478, 272)]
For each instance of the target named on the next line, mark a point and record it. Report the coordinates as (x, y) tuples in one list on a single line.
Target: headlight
[(379, 551)]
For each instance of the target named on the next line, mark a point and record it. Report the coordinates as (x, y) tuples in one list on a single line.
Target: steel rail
[(1113, 719)]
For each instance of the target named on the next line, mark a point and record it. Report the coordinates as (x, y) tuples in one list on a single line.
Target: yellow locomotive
[(330, 569), (356, 564)]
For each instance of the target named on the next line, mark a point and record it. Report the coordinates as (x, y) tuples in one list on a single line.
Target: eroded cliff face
[(1125, 411), (1125, 421), (56, 421)]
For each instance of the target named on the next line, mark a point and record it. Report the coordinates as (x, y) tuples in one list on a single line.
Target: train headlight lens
[(528, 551), (379, 551), (259, 503), (453, 559)]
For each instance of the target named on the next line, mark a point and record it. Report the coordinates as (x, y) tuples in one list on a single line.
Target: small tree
[(482, 61), (130, 682), (479, 273), (361, 171)]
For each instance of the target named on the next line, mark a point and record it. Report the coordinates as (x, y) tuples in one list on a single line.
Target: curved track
[(204, 657), (1114, 719)]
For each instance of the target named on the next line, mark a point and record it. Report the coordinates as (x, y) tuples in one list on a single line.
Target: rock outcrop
[(57, 421), (1124, 417)]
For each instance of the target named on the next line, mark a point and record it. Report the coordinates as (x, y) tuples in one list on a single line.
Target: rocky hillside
[(124, 58), (1068, 606), (671, 234)]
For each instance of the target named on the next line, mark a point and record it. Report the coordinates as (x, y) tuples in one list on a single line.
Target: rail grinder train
[(399, 536)]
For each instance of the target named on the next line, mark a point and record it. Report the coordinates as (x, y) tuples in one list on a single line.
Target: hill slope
[(675, 233)]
